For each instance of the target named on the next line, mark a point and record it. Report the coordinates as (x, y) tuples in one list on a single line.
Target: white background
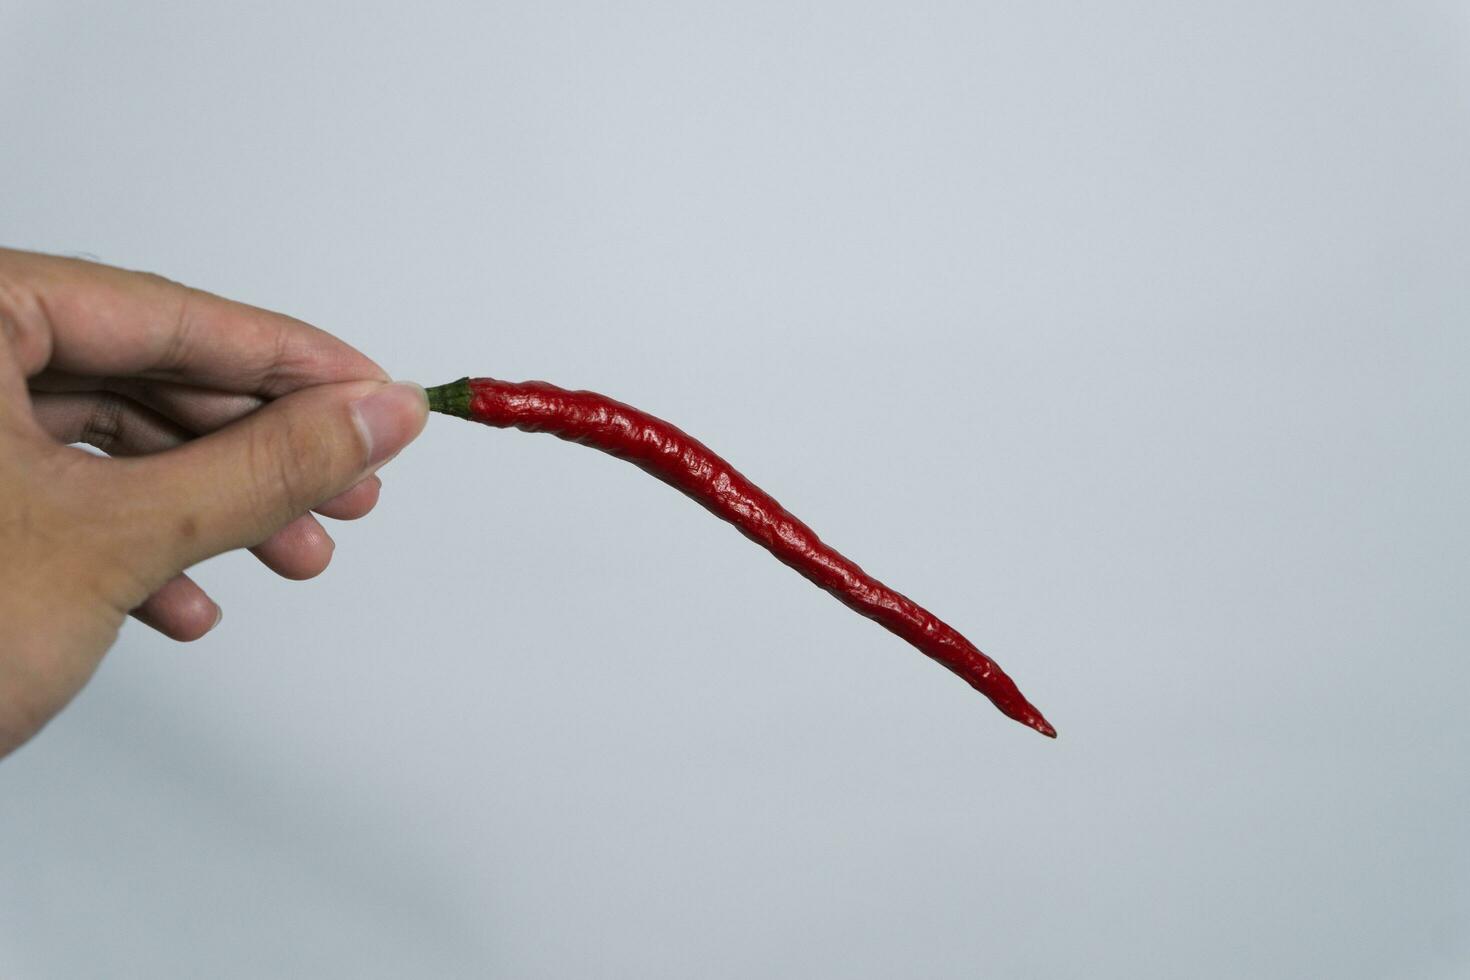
[(1130, 338)]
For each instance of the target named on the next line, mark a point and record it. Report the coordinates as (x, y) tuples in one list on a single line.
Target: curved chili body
[(685, 463)]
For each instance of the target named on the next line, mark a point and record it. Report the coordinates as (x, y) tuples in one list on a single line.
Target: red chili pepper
[(686, 464)]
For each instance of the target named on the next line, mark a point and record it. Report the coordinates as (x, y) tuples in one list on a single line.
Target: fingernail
[(219, 614), (390, 418)]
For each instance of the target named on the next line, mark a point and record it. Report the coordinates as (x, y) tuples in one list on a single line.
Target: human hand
[(225, 426)]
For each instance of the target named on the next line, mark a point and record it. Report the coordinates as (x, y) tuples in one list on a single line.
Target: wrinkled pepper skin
[(678, 459)]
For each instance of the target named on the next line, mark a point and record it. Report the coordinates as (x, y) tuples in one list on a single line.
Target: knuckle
[(274, 376), (157, 279), (281, 458), (175, 353), (23, 319)]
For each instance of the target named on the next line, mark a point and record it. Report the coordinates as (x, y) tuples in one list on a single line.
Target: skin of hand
[(225, 427)]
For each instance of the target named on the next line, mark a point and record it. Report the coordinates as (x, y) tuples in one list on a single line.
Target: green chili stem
[(451, 399)]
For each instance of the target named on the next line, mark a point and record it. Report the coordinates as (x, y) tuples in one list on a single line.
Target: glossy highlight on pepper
[(678, 459)]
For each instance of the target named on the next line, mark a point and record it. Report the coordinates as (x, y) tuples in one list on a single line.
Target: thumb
[(237, 486)]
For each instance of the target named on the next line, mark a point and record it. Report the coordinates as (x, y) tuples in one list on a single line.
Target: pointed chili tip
[(1017, 708), (1031, 718)]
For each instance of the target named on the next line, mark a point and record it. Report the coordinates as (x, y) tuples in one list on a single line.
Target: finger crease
[(175, 356), (104, 428), (270, 380)]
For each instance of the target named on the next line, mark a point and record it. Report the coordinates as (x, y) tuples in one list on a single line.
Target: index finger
[(87, 318)]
